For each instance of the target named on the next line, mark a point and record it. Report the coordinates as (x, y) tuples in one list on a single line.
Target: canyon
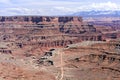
[(58, 48), (45, 32)]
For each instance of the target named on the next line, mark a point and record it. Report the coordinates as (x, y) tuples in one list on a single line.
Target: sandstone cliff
[(46, 31)]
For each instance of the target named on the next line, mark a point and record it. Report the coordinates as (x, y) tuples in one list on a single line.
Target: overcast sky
[(54, 7)]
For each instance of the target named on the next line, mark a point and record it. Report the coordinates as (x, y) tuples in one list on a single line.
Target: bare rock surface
[(57, 48)]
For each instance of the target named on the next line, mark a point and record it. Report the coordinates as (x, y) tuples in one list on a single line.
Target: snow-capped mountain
[(94, 13)]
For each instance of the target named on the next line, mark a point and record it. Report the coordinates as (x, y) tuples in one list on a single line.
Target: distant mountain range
[(94, 13)]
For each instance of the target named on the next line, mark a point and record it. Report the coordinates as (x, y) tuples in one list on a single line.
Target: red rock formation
[(25, 41), (110, 29), (45, 32)]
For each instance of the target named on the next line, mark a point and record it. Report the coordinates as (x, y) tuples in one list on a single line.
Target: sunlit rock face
[(56, 48), (47, 31)]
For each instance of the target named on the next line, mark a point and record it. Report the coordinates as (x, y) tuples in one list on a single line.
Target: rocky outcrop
[(38, 19), (65, 48), (46, 31), (4, 51), (110, 29), (34, 35)]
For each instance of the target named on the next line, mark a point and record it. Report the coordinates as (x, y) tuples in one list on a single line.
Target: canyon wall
[(45, 32)]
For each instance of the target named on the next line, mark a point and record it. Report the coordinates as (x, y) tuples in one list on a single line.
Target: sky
[(54, 7)]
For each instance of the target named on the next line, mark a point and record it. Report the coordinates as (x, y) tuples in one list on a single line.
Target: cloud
[(64, 9), (91, 6), (52, 7), (36, 7), (21, 11), (29, 11), (5, 1), (105, 6)]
